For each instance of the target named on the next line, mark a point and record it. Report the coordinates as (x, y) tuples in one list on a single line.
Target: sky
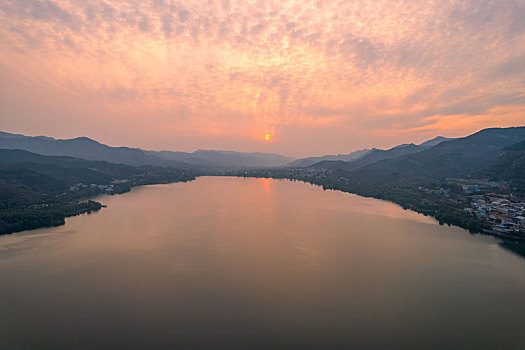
[(320, 77)]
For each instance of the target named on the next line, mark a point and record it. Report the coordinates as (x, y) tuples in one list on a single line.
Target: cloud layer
[(322, 76)]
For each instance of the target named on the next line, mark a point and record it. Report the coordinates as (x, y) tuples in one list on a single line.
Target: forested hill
[(70, 170), (38, 191), (509, 166), (376, 155), (456, 158)]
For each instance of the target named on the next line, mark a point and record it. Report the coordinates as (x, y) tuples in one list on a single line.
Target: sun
[(267, 137)]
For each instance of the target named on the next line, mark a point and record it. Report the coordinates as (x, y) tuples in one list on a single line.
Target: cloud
[(239, 68), (511, 67)]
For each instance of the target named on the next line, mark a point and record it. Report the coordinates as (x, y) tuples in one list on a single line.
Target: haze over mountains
[(461, 157), (225, 159), (81, 147), (85, 148), (368, 155), (304, 162), (375, 155), (435, 158)]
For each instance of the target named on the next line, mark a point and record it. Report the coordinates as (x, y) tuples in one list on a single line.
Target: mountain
[(435, 141), (509, 166), (226, 159), (82, 147), (376, 155), (39, 191), (85, 148), (304, 162), (373, 156), (452, 159), (68, 171)]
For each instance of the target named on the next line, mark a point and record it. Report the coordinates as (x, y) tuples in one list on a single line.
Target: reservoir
[(236, 263)]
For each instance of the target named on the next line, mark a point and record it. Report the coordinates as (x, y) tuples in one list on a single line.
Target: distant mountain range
[(376, 155), (224, 159), (82, 147), (85, 148), (407, 163), (456, 158), (304, 162), (366, 156)]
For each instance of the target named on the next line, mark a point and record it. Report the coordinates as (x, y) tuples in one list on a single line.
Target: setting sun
[(267, 137)]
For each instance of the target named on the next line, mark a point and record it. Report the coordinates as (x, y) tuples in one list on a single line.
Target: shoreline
[(505, 239), (51, 214), (514, 244)]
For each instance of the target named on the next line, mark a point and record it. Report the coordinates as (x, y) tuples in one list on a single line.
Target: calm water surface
[(256, 263)]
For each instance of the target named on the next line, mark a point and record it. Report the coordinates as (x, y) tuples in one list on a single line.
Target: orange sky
[(318, 76)]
